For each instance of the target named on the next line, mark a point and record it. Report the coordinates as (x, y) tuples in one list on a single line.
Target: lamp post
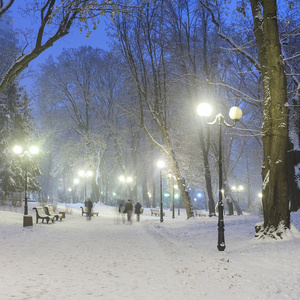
[(127, 180), (161, 165), (235, 114), (238, 189), (26, 154), (85, 175), (75, 181), (173, 198)]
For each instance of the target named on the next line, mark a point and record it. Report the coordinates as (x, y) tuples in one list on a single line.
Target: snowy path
[(99, 259), (82, 259)]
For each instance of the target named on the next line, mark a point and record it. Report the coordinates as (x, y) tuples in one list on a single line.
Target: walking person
[(89, 207), (128, 210), (122, 211), (137, 210)]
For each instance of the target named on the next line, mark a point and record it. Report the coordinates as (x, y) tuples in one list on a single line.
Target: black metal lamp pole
[(84, 175), (84, 188), (173, 199), (27, 220), (26, 182), (161, 197), (26, 157), (221, 236), (235, 114)]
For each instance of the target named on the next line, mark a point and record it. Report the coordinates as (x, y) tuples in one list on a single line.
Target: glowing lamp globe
[(235, 113), (204, 109)]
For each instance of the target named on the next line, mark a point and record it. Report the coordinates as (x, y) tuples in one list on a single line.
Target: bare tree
[(275, 132), (143, 46), (276, 120), (58, 16)]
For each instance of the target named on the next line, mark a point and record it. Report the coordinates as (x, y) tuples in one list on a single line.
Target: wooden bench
[(155, 212), (50, 212), (199, 213), (84, 211), (40, 214)]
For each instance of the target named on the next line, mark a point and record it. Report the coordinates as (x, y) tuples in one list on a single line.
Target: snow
[(177, 259)]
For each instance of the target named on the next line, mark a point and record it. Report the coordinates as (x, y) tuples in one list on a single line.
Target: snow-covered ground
[(177, 259)]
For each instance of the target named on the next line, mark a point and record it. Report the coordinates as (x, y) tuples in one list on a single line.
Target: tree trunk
[(207, 174), (275, 128)]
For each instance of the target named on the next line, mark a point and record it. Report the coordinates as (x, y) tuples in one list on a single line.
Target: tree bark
[(275, 127)]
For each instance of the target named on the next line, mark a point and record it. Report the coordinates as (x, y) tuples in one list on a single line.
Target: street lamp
[(237, 189), (126, 180), (235, 113), (75, 181), (173, 198), (26, 154), (85, 175), (161, 165)]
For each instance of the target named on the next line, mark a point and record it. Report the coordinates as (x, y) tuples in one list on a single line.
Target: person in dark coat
[(128, 210), (122, 211), (137, 210), (89, 207)]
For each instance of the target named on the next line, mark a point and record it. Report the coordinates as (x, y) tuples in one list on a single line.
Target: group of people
[(124, 208), (127, 208)]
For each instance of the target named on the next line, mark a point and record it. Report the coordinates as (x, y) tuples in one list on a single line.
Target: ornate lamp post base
[(27, 221)]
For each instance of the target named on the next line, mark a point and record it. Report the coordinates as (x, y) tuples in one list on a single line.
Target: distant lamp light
[(34, 150), (18, 149), (122, 178), (161, 164), (237, 188)]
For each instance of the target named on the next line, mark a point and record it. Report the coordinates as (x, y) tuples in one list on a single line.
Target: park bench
[(198, 212), (40, 214), (50, 212), (84, 211), (155, 212)]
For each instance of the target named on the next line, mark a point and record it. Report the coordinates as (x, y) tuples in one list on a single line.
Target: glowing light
[(204, 109)]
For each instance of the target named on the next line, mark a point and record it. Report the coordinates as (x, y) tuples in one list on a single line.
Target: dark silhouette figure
[(89, 207), (122, 211), (128, 210), (137, 210)]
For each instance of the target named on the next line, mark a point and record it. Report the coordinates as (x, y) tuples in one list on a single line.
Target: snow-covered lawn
[(177, 259)]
